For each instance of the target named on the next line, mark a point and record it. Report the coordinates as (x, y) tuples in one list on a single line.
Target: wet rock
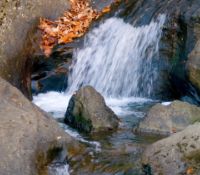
[(178, 40), (88, 112), (168, 119), (30, 138), (194, 63), (19, 41), (50, 74), (177, 154)]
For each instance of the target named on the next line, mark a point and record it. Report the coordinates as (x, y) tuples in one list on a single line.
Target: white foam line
[(77, 136), (166, 103)]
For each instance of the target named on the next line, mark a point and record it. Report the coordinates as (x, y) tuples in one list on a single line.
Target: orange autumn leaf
[(67, 38), (73, 24), (190, 171), (106, 9)]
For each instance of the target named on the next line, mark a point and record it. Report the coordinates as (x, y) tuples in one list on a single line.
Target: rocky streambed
[(162, 37), (110, 150)]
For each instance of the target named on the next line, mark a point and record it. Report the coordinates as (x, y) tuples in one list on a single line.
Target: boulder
[(87, 112), (19, 39), (29, 137), (168, 119), (177, 154)]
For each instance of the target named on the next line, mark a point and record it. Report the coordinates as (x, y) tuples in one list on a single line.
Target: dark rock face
[(88, 112), (29, 137), (18, 25), (176, 154), (166, 120), (178, 40), (51, 74)]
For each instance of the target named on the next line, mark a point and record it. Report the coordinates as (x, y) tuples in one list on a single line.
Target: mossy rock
[(87, 112), (176, 154)]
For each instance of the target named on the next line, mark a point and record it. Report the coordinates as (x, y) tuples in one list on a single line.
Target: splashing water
[(58, 169), (72, 132), (118, 59)]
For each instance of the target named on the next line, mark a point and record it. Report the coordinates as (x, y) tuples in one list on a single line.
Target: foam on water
[(58, 169), (56, 103), (53, 102), (121, 105), (77, 136), (166, 103), (118, 60)]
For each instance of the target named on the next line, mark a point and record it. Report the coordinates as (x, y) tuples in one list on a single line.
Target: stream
[(121, 62)]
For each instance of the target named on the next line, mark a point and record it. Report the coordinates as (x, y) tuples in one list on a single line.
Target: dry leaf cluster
[(73, 24)]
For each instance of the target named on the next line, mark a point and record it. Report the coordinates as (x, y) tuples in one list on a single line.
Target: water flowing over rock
[(119, 60), (88, 112)]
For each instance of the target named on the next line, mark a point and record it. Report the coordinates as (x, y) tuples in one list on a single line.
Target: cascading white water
[(117, 59), (58, 169)]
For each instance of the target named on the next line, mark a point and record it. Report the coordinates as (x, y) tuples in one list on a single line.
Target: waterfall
[(118, 60)]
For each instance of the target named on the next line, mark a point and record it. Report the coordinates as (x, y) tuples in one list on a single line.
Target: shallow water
[(119, 60), (110, 153)]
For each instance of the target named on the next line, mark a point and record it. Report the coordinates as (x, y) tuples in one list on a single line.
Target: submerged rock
[(87, 112), (177, 154), (170, 118), (30, 139)]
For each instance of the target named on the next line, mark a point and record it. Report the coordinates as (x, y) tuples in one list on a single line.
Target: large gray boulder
[(168, 119), (177, 154), (29, 137), (18, 36), (88, 112)]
